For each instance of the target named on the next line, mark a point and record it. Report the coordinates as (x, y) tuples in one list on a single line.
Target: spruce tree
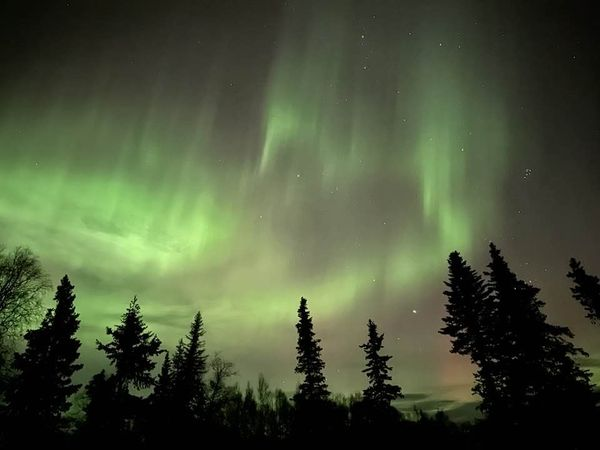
[(535, 368), (164, 384), (379, 392), (467, 307), (309, 362), (39, 394), (189, 368), (469, 322), (586, 290), (526, 366), (132, 349)]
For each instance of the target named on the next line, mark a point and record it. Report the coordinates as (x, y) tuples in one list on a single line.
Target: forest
[(528, 376)]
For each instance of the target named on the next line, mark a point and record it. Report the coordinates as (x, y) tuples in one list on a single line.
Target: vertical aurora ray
[(435, 134), (300, 92), (460, 149)]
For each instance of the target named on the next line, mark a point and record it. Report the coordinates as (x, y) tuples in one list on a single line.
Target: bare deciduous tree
[(22, 284)]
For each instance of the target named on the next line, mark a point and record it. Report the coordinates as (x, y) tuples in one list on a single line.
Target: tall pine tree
[(379, 392), (39, 393), (309, 362), (469, 322), (467, 307), (535, 368), (132, 350), (526, 366), (586, 290), (189, 368)]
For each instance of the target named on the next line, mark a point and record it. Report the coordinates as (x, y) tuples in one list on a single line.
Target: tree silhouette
[(284, 412), (104, 410), (309, 362), (527, 377), (161, 425), (38, 395), (221, 371), (249, 413), (189, 368), (132, 349), (586, 290), (526, 367), (470, 322), (163, 388), (467, 307), (379, 392), (22, 284), (535, 369), (373, 416)]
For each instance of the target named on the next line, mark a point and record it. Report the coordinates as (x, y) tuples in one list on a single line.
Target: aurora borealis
[(232, 156)]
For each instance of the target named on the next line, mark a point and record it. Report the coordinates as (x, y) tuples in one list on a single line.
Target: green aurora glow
[(344, 165)]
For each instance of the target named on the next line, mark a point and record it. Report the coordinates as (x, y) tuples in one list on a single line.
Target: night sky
[(232, 156)]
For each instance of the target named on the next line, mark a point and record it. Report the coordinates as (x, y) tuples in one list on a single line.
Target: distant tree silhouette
[(379, 392), (284, 414), (38, 395), (104, 416), (163, 388), (189, 368), (309, 362), (586, 290), (132, 349), (267, 421), (266, 416), (372, 416), (161, 421), (249, 413), (221, 371), (22, 284)]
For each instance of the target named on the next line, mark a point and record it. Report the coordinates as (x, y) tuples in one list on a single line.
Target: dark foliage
[(189, 369), (526, 366), (310, 364), (38, 394), (586, 290), (132, 349), (380, 392)]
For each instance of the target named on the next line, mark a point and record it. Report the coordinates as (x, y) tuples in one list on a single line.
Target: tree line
[(526, 373)]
